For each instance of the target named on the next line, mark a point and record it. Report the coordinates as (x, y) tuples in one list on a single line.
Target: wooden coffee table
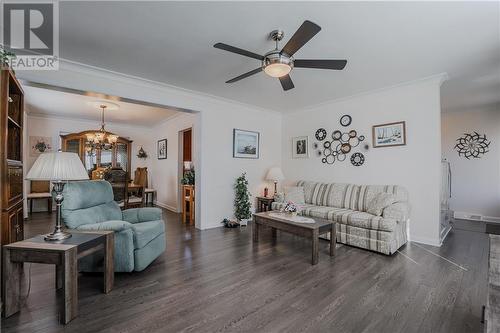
[(309, 230)]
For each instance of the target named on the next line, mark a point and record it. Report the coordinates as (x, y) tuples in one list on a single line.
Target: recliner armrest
[(116, 226), (400, 211), (138, 215)]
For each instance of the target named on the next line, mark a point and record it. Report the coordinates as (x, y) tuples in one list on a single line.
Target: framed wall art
[(245, 144), (300, 147), (389, 135), (40, 144), (162, 149)]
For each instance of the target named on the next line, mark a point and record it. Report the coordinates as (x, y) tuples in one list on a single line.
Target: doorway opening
[(186, 176)]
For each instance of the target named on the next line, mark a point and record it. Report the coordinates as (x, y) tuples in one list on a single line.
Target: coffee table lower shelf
[(308, 230)]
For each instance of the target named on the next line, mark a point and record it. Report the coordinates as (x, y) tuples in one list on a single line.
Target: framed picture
[(40, 144), (389, 135), (300, 147), (162, 149), (245, 144)]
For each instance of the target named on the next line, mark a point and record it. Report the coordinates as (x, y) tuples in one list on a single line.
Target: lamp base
[(57, 236)]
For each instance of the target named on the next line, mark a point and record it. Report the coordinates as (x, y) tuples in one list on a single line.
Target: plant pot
[(244, 222)]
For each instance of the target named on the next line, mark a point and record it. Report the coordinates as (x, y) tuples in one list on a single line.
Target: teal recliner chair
[(139, 232)]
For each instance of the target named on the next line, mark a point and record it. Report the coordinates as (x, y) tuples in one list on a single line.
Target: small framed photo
[(300, 147), (389, 135), (245, 144), (162, 149)]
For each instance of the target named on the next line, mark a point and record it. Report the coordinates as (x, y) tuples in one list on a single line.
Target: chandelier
[(100, 140)]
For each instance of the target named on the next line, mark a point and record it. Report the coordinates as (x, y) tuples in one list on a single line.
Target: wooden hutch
[(117, 157), (11, 156)]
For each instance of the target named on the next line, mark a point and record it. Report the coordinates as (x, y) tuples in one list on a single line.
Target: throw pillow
[(381, 200), (295, 194), (279, 197)]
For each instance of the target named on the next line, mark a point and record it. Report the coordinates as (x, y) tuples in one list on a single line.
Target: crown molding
[(128, 79), (441, 78)]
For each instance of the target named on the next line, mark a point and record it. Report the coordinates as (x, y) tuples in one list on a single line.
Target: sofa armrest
[(115, 226), (138, 215), (400, 211)]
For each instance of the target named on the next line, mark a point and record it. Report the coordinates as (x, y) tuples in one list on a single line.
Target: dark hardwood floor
[(219, 281)]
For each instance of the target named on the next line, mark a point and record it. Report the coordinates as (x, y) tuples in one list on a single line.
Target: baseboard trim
[(476, 217), (426, 241), (168, 207)]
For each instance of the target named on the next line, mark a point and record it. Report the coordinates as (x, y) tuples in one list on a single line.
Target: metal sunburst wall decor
[(472, 145)]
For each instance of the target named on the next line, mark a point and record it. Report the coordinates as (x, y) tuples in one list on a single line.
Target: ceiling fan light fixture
[(277, 70), (276, 64)]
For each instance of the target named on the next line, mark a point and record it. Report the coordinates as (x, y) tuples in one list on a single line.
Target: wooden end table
[(309, 230), (64, 255), (264, 204)]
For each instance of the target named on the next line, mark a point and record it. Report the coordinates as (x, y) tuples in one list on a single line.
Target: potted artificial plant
[(242, 200)]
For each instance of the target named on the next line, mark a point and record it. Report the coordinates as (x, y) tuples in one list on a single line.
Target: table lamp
[(275, 175), (58, 167)]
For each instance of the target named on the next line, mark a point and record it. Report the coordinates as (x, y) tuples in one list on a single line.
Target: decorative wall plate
[(327, 144), (320, 134), (341, 157), (345, 120), (353, 133), (357, 159), (346, 148), (361, 138)]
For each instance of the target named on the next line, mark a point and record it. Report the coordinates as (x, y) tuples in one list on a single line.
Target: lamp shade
[(275, 174), (57, 166)]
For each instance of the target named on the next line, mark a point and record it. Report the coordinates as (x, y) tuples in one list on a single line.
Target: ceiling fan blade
[(247, 74), (320, 64), (303, 34), (286, 82), (242, 52)]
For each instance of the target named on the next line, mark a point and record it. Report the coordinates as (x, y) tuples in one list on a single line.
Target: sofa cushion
[(145, 232), (381, 201), (308, 190), (294, 194), (348, 195), (351, 217), (368, 192)]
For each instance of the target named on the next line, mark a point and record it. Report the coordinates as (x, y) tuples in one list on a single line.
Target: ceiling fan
[(278, 63)]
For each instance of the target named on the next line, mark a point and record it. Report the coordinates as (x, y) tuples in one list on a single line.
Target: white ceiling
[(385, 43), (45, 102)]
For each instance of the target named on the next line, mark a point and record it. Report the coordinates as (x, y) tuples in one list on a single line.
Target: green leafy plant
[(5, 55), (188, 178), (242, 199)]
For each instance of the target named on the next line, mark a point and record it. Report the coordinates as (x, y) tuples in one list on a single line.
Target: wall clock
[(345, 120)]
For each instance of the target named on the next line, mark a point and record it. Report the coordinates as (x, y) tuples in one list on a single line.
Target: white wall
[(164, 174), (415, 166), (220, 169), (53, 126), (475, 182), (216, 170)]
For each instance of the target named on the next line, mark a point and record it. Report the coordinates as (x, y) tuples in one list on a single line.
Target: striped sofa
[(347, 203)]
